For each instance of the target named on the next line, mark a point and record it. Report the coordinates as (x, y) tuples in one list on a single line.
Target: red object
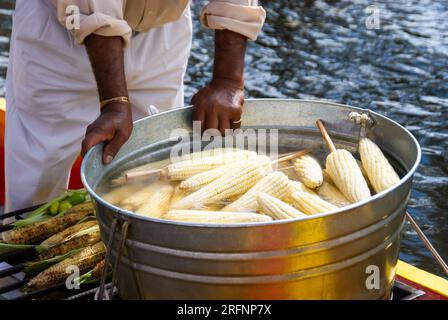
[(75, 175)]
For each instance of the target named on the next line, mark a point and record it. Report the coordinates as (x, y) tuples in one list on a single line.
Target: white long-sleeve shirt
[(121, 17)]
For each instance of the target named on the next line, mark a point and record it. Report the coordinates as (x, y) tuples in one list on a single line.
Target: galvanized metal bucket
[(346, 254)]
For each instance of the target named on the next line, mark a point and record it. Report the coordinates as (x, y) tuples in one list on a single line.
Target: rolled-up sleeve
[(104, 18), (245, 17)]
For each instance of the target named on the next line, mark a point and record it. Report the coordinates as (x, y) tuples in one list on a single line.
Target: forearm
[(230, 48), (107, 60)]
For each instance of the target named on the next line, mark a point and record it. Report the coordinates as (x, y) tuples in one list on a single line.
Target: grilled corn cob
[(347, 176), (84, 260), (59, 237), (200, 180), (311, 204), (380, 172), (309, 171), (215, 216), (159, 201), (94, 274), (90, 236), (331, 194), (40, 231), (185, 169), (232, 183), (276, 208), (276, 184)]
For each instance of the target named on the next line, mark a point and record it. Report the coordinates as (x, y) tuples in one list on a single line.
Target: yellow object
[(139, 198), (185, 169), (311, 204), (215, 216), (331, 194), (115, 99), (159, 200), (61, 236), (423, 278), (346, 175), (231, 184), (309, 171), (276, 184), (380, 172), (276, 208)]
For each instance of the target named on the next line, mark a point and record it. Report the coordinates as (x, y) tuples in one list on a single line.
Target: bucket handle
[(101, 293)]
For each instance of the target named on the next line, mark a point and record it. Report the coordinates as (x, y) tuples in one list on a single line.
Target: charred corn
[(38, 232), (347, 176), (61, 236), (380, 172), (331, 194), (276, 184), (159, 201), (311, 204), (309, 171), (185, 169), (85, 260), (232, 183), (88, 237), (215, 216), (276, 208)]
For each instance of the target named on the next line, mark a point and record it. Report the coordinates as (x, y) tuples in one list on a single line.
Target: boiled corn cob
[(200, 180), (119, 194), (139, 198), (215, 216), (159, 201), (88, 237), (300, 187), (331, 194), (185, 169), (85, 260), (38, 232), (346, 175), (309, 171), (233, 183), (276, 208), (61, 236), (276, 184), (380, 172), (311, 204)]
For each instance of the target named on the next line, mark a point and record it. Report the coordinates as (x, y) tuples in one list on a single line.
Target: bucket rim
[(350, 207)]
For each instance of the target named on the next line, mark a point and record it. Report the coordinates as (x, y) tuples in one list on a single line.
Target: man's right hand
[(113, 126)]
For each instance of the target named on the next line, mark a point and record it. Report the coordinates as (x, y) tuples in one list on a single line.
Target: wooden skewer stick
[(427, 243), (325, 136)]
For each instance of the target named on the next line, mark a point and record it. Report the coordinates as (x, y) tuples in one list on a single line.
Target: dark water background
[(323, 50)]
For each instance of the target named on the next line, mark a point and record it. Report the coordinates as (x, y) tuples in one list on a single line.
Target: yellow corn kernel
[(309, 171), (311, 204), (196, 216), (331, 194), (380, 172), (276, 208), (276, 184), (185, 169), (234, 182), (346, 175), (158, 202), (139, 198)]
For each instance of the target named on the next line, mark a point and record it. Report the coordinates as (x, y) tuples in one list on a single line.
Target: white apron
[(51, 95)]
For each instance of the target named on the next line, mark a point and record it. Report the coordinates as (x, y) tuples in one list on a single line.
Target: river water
[(323, 50)]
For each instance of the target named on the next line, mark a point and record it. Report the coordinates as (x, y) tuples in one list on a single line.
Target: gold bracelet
[(115, 99)]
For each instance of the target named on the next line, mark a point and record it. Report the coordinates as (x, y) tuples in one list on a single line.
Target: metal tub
[(324, 256)]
